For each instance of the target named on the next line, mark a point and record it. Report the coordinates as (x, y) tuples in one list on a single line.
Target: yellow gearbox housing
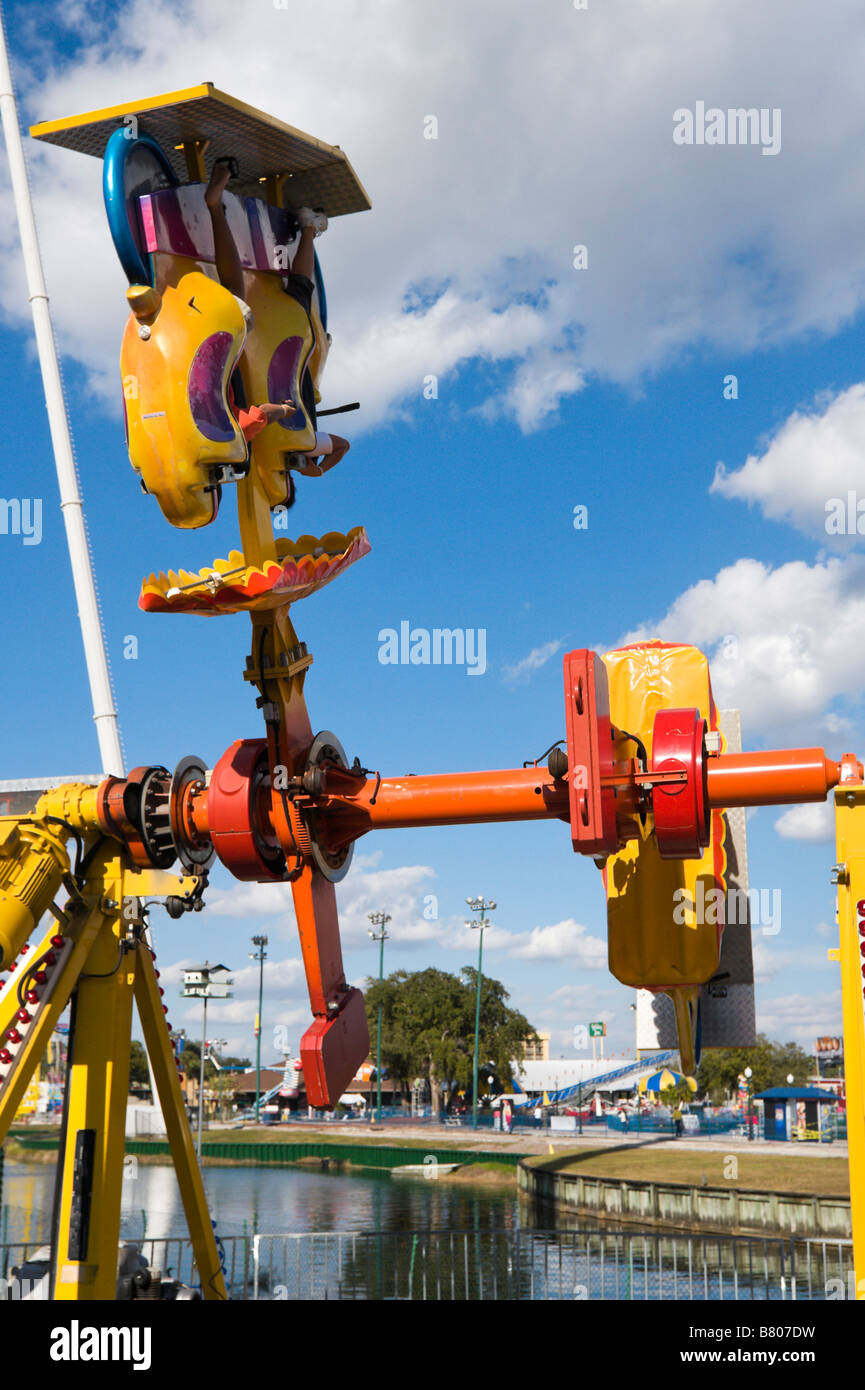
[(656, 939), (179, 349), (33, 861)]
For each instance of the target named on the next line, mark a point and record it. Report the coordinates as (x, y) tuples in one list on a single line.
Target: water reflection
[(285, 1200), (369, 1235)]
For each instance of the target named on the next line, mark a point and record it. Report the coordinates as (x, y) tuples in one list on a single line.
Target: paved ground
[(539, 1141)]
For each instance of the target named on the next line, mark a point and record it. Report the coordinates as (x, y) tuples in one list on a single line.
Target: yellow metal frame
[(107, 963), (850, 870)]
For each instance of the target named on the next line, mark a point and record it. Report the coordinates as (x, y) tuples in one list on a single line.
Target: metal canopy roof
[(797, 1093), (320, 174)]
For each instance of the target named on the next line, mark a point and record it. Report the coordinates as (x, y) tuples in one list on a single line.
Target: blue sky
[(556, 387)]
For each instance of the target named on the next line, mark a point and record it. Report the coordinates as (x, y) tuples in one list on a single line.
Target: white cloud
[(813, 458), (407, 346), (236, 1012), (537, 657), (771, 960), (815, 822), (250, 900), (686, 246), (568, 940), (404, 892), (570, 996), (536, 392), (781, 643), (800, 1018), (286, 1002), (282, 976), (456, 936)]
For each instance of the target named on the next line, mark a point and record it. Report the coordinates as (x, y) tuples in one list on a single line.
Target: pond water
[(283, 1200), (416, 1238)]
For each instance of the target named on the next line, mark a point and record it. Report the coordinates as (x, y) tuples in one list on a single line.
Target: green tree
[(771, 1063), (680, 1094), (190, 1059), (138, 1073), (428, 1029)]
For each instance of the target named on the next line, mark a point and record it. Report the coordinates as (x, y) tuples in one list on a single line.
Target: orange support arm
[(450, 798), (778, 777), (344, 813)]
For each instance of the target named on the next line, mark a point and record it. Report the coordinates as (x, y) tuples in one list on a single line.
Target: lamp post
[(748, 1074), (480, 905), (380, 920), (198, 984), (261, 956)]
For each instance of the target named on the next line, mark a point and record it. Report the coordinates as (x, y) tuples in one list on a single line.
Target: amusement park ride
[(643, 779)]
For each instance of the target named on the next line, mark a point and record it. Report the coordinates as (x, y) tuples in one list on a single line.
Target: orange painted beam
[(778, 777), (451, 798)]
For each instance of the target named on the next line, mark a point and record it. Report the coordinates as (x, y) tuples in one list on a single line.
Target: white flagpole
[(104, 713)]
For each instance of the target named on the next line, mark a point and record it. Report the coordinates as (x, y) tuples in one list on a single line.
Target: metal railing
[(496, 1264)]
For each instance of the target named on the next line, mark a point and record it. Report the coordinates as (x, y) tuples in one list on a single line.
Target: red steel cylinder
[(238, 792), (681, 808)]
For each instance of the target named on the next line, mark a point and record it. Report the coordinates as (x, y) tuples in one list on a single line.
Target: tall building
[(537, 1051)]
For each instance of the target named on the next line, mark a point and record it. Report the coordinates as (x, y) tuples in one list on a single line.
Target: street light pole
[(198, 983), (379, 919), (201, 1078), (261, 956), (480, 905)]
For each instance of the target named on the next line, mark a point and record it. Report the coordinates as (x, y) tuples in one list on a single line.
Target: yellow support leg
[(850, 840), (88, 1229), (159, 1051)]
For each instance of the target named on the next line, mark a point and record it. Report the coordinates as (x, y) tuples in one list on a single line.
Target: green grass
[(498, 1173), (325, 1134), (336, 1134), (820, 1177)]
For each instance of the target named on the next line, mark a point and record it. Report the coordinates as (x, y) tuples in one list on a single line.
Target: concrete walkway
[(533, 1141)]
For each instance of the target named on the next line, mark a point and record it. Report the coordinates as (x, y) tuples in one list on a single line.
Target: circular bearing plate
[(326, 747), (194, 857), (681, 809)]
